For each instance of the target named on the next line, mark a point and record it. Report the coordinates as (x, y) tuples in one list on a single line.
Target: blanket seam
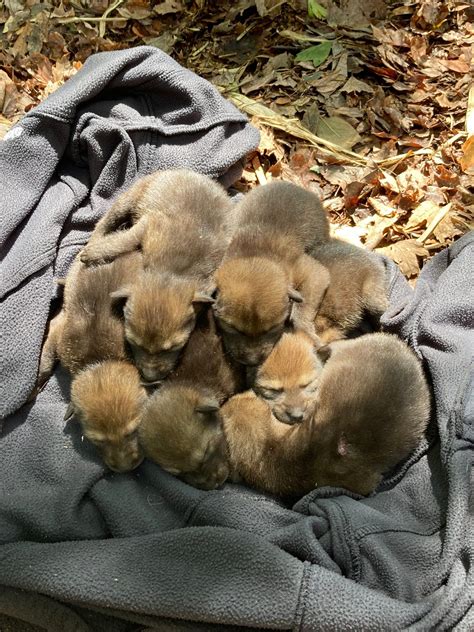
[(302, 598)]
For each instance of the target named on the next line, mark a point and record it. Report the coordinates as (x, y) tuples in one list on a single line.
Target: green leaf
[(337, 131), (315, 10), (316, 54)]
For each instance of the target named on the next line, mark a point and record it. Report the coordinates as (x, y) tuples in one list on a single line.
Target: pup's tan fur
[(283, 209), (181, 427), (357, 290), (87, 330), (372, 409), (190, 210), (183, 221), (181, 431), (289, 378), (266, 280), (108, 399)]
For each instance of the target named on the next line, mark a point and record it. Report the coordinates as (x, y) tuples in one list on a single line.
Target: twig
[(470, 112), (294, 127), (256, 164), (441, 214), (86, 19), (102, 21)]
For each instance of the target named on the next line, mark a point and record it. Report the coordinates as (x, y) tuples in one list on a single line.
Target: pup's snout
[(124, 465), (295, 416), (289, 416), (152, 374)]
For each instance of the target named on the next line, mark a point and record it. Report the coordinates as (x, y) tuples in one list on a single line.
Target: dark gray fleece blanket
[(86, 550)]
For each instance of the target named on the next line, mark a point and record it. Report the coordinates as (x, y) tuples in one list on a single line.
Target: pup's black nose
[(295, 416)]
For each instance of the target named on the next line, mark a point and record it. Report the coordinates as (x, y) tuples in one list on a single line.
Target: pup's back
[(267, 454), (188, 206), (284, 209), (357, 290), (91, 331), (373, 407)]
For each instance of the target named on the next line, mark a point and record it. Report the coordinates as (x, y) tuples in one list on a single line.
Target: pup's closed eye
[(269, 393), (312, 384)]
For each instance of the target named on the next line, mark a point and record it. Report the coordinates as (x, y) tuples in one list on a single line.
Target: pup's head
[(160, 314), (289, 378), (181, 431), (253, 306), (108, 399)]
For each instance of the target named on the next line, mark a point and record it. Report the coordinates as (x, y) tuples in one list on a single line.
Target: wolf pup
[(266, 280), (357, 294), (176, 198), (181, 427), (185, 223), (372, 408), (87, 329), (289, 378), (108, 399)]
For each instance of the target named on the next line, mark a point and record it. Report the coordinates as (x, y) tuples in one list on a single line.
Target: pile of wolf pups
[(225, 341)]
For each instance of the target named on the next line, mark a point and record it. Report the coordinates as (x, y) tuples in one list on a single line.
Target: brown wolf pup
[(289, 378), (181, 428), (357, 291), (189, 206), (87, 329), (372, 408), (184, 221), (266, 281), (181, 431), (108, 399)]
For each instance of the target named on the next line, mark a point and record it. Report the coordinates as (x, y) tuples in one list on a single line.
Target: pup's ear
[(201, 298), (208, 406), (70, 412), (120, 295), (294, 295), (119, 300), (324, 353), (60, 281)]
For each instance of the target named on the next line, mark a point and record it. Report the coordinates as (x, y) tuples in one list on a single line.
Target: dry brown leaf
[(355, 85), (8, 95), (389, 182), (467, 158), (421, 215), (376, 232), (412, 184), (406, 254), (447, 230), (381, 208), (337, 131), (435, 221)]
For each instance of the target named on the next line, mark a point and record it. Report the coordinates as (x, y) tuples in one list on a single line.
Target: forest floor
[(370, 103)]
